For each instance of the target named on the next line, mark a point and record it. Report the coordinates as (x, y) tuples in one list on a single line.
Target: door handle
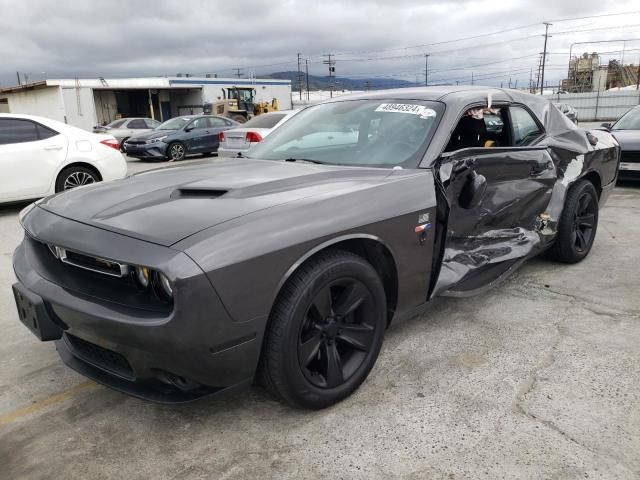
[(53, 147)]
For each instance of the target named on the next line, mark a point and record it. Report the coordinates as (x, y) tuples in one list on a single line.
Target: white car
[(239, 140), (39, 156)]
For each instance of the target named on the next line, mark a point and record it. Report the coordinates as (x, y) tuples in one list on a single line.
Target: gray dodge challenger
[(286, 266)]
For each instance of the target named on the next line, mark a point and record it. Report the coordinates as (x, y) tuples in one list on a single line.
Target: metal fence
[(599, 106)]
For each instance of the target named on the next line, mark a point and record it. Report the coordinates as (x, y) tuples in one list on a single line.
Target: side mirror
[(473, 190), (606, 125), (188, 129)]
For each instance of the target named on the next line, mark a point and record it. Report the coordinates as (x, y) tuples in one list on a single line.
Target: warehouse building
[(88, 102)]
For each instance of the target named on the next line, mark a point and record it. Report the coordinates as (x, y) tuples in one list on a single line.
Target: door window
[(138, 123), (199, 123), (525, 128), (151, 123), (13, 130), (215, 122)]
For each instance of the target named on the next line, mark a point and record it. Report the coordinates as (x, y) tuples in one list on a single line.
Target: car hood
[(148, 135), (629, 140), (167, 205)]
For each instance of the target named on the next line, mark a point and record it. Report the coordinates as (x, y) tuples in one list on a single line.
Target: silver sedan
[(123, 128)]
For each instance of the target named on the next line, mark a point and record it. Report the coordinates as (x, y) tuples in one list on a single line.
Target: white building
[(88, 102)]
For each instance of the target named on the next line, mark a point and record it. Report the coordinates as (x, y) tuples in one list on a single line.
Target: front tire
[(176, 151), (326, 329), (578, 224), (73, 177)]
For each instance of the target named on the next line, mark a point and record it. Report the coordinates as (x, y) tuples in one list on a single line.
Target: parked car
[(289, 266), (123, 128), (627, 131), (570, 112), (238, 141), (178, 137), (39, 156)]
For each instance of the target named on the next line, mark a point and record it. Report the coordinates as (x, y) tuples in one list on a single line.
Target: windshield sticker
[(420, 110)]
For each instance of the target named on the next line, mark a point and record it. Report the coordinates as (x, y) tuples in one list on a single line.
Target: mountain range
[(317, 82)]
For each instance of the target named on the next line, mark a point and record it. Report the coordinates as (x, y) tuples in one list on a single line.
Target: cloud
[(68, 38)]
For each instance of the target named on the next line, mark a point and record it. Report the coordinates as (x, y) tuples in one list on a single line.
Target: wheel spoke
[(309, 348), (585, 200), (586, 220), (359, 337), (582, 243), (321, 307), (333, 375), (350, 299)]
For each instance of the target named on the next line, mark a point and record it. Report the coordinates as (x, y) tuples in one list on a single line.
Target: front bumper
[(176, 355), (156, 150)]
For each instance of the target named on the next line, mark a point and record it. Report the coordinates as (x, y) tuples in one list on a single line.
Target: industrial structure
[(85, 103), (586, 74)]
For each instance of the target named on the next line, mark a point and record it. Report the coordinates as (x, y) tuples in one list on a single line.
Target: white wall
[(45, 102), (84, 116)]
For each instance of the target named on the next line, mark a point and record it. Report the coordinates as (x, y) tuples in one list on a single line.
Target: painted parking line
[(46, 402)]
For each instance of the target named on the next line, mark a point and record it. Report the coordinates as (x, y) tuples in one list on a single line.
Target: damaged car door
[(495, 197)]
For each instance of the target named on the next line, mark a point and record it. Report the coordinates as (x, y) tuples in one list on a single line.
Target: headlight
[(163, 286), (142, 275), (152, 280), (156, 140)]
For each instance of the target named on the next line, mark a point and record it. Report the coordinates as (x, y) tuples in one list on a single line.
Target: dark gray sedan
[(179, 137), (288, 267), (627, 131)]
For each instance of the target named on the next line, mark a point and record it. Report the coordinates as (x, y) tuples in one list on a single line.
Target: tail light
[(111, 142), (221, 136), (253, 137)]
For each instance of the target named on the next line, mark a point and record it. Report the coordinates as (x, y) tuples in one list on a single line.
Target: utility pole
[(544, 54), (238, 72), (531, 80), (539, 71), (306, 69), (299, 77), (18, 75), (426, 69), (367, 85), (471, 78), (330, 62)]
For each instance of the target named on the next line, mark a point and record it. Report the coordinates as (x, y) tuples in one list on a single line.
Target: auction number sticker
[(420, 110)]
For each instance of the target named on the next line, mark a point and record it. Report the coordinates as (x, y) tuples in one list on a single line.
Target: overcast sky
[(120, 38)]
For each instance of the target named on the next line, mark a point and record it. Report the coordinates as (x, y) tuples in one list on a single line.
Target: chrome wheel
[(176, 151), (76, 179)]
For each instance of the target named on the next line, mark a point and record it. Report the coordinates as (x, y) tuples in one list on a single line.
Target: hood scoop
[(197, 193)]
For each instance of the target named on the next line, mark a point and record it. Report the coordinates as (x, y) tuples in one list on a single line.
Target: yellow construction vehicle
[(239, 104)]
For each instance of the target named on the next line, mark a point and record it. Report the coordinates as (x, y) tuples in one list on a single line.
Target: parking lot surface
[(537, 378)]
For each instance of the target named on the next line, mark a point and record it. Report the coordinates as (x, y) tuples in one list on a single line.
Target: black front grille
[(100, 357), (630, 157)]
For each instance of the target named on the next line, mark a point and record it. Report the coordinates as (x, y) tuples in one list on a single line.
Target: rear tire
[(578, 224), (326, 329), (75, 176)]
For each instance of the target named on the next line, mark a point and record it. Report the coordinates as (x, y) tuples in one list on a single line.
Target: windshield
[(629, 121), (268, 120), (174, 124), (378, 133)]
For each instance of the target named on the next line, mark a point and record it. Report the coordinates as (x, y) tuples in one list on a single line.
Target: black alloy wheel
[(325, 331), (337, 333), (584, 222), (577, 225)]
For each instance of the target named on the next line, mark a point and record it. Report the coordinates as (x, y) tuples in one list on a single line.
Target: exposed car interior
[(510, 126)]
